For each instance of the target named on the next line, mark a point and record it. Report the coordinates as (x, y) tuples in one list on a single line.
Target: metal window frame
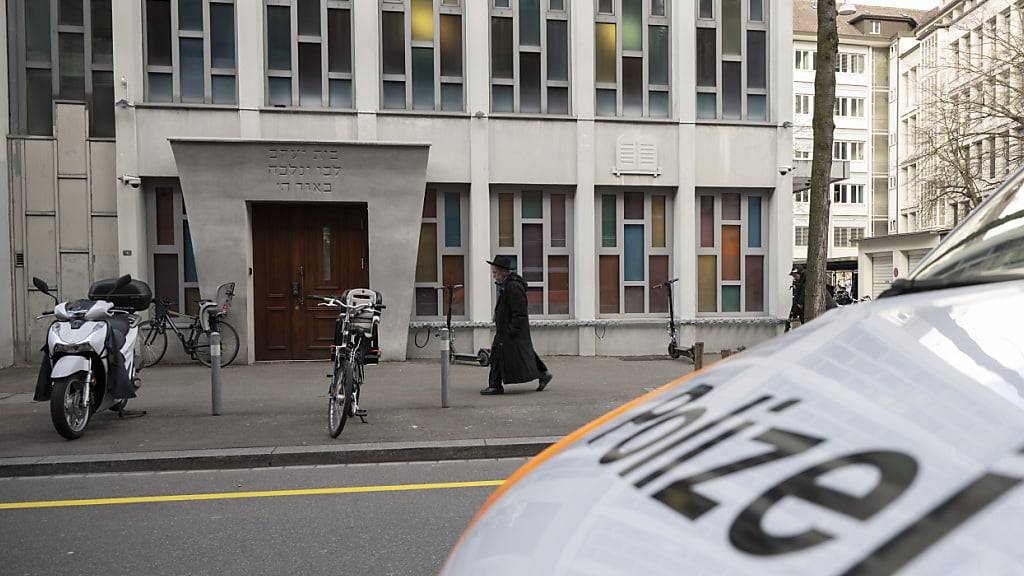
[(745, 250), (294, 40), (18, 60), (439, 8), (644, 54), (517, 232), (619, 248), (547, 14), (442, 250), (746, 25), (175, 68)]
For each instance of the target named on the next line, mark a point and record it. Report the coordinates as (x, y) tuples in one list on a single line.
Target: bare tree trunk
[(821, 161)]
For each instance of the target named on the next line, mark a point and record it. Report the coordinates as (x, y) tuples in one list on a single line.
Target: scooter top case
[(134, 297)]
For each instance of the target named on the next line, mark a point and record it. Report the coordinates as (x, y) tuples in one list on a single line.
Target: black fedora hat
[(503, 261)]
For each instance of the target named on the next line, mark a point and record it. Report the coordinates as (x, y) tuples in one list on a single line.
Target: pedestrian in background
[(513, 359)]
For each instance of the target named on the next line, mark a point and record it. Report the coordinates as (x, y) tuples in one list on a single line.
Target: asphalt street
[(379, 519)]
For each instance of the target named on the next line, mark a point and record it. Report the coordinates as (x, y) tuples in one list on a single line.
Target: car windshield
[(989, 243)]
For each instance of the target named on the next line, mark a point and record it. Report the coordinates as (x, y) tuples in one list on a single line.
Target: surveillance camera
[(133, 181), (783, 170)]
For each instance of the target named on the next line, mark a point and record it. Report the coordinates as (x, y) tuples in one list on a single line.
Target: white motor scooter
[(89, 361)]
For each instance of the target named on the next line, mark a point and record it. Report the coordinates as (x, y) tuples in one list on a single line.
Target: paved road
[(407, 532)]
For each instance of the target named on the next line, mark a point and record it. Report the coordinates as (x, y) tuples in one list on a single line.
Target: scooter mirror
[(40, 285)]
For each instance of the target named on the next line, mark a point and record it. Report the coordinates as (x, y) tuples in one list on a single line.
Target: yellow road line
[(236, 495)]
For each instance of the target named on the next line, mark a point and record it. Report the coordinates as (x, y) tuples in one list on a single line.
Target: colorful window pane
[(707, 284), (732, 38), (658, 275), (533, 204), (426, 302), (506, 220), (754, 273), (430, 203), (165, 216), (707, 221), (609, 221), (634, 297), (558, 220), (453, 272), (632, 25), (535, 300), (658, 221), (558, 284), (730, 252), (422, 20), (451, 45), (730, 298), (730, 206), (606, 65), (533, 252), (609, 284), (190, 256), (426, 260), (529, 22), (165, 276), (633, 252), (452, 220), (633, 206), (754, 221)]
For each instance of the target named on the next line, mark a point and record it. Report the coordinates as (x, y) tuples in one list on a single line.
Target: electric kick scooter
[(673, 345), (483, 356)]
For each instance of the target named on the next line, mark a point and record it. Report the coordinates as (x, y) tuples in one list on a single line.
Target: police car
[(882, 438)]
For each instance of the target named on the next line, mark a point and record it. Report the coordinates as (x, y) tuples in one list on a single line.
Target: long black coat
[(512, 349)]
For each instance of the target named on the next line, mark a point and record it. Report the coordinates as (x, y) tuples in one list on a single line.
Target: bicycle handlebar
[(666, 283), (335, 302)]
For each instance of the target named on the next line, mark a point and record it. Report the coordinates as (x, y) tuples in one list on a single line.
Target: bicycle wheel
[(228, 345), (151, 343), (339, 400)]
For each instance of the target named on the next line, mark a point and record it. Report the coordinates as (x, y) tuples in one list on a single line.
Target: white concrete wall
[(482, 150), (7, 317)]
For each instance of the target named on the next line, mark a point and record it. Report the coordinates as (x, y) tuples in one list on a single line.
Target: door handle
[(302, 287), (296, 290)]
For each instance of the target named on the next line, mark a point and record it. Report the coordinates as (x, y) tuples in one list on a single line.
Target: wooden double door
[(301, 250)]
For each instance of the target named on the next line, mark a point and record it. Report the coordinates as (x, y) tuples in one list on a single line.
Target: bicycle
[(355, 345), (195, 336)]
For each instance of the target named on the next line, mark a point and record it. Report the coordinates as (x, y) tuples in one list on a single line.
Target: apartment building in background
[(955, 112), (302, 147), (860, 201)]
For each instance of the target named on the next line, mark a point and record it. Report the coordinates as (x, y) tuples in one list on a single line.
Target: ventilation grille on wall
[(636, 157), (19, 260)]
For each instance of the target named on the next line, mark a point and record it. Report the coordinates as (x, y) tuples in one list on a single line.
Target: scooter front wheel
[(674, 350), (69, 411)]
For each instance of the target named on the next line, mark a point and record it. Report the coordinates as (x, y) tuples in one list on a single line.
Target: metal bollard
[(215, 371), (698, 355), (445, 347)]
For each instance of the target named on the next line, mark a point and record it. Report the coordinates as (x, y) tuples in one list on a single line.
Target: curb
[(273, 456)]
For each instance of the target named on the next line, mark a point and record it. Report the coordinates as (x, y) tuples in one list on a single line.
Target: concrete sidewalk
[(275, 414)]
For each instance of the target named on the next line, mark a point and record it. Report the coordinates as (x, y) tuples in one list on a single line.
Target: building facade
[(957, 112), (860, 202), (302, 147)]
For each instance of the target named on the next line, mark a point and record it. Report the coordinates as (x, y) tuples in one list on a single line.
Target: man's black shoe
[(544, 379), (492, 391)]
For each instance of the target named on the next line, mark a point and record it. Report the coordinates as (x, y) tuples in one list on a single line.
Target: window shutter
[(635, 157)]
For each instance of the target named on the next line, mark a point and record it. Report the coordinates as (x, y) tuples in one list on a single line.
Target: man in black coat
[(513, 359)]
